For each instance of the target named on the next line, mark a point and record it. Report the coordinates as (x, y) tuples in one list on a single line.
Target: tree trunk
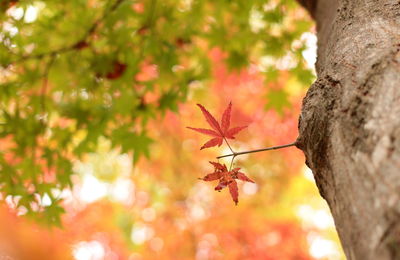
[(350, 122)]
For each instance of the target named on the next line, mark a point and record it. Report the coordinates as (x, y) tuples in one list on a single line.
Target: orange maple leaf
[(219, 131), (226, 179)]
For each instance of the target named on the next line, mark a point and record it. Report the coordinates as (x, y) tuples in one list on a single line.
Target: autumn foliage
[(96, 160), (226, 179), (221, 132)]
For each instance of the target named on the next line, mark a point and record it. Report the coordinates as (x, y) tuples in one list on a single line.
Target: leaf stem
[(230, 148), (230, 166), (257, 150)]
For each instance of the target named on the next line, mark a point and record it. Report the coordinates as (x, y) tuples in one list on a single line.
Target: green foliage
[(278, 100), (80, 72)]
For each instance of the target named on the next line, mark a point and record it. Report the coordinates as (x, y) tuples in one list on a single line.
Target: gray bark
[(350, 122)]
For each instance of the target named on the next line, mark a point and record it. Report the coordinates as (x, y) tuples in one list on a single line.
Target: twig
[(45, 83), (257, 150)]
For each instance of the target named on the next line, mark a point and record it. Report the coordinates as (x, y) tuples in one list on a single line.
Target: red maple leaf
[(226, 179), (219, 131)]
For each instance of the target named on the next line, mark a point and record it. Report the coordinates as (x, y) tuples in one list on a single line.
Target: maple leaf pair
[(220, 131), (226, 179)]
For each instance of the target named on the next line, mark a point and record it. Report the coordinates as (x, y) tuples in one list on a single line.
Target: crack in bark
[(390, 239), (362, 102)]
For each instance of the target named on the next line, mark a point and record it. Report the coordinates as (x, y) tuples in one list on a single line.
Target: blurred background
[(96, 160)]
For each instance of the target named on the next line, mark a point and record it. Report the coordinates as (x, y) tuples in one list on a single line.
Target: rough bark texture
[(350, 122)]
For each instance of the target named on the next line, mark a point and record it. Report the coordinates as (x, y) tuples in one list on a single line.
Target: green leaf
[(130, 141), (277, 100)]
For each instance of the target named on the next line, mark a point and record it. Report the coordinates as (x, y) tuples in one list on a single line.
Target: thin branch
[(257, 150), (43, 91)]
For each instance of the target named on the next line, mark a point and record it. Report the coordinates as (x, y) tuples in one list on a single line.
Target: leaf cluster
[(222, 132), (84, 70)]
